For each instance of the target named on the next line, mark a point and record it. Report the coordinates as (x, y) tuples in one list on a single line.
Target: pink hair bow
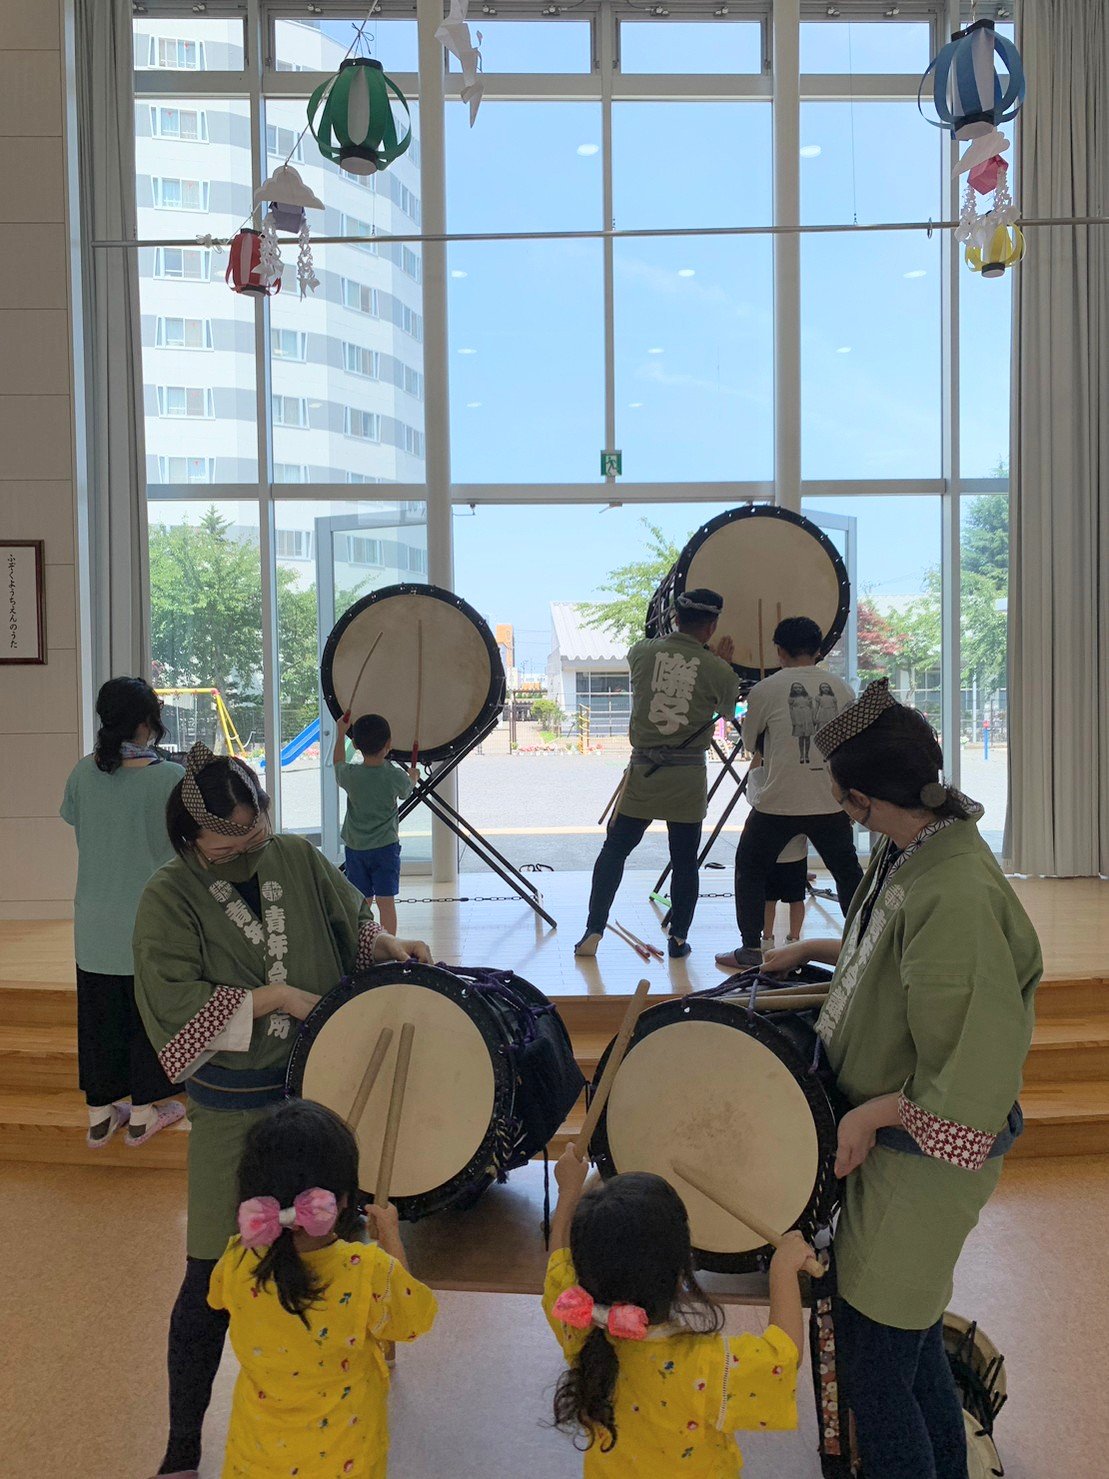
[(577, 1308), (262, 1219)]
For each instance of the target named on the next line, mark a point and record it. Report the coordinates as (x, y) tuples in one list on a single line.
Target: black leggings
[(764, 835), (623, 837), (114, 1056), (196, 1335)]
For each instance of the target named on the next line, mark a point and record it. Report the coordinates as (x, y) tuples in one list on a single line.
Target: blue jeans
[(908, 1414)]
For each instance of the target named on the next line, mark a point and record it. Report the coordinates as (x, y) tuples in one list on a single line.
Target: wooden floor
[(1066, 1096)]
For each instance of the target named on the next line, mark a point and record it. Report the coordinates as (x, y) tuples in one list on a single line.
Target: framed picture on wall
[(22, 601)]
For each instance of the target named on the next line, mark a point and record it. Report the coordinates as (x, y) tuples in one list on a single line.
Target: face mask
[(237, 869)]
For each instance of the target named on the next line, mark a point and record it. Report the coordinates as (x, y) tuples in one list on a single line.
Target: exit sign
[(612, 464)]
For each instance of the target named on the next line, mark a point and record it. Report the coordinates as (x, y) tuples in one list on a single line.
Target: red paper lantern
[(244, 265)]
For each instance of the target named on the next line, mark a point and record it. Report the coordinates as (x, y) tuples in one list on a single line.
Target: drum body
[(378, 647), (734, 1093), (492, 1076), (758, 555)]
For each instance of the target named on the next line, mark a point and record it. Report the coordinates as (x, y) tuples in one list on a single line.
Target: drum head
[(456, 1078), (770, 555), (387, 638), (708, 1084)]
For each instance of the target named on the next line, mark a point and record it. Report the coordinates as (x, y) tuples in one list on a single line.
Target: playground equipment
[(187, 733), (296, 747)]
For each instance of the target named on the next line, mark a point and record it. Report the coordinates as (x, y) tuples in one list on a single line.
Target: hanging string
[(851, 106)]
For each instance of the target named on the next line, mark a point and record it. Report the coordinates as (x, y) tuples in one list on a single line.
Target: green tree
[(985, 539), (631, 587)]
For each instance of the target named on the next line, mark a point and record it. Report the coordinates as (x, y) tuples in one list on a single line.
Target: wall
[(40, 714)]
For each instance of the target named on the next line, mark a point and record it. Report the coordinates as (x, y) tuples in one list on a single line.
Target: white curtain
[(113, 344), (1059, 623)]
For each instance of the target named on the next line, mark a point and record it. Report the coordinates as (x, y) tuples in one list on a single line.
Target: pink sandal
[(168, 1114), (119, 1116)]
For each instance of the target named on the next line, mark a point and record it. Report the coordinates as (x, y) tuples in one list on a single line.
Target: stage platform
[(1066, 1094)]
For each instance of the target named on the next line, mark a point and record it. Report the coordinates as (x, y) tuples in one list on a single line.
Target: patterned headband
[(195, 761), (870, 705), (684, 603)]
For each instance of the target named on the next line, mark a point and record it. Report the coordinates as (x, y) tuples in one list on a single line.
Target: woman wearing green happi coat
[(927, 1025), (235, 942)]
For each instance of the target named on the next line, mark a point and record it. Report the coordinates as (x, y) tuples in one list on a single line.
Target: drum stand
[(426, 792)]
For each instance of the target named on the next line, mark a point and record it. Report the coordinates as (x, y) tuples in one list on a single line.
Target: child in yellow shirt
[(311, 1306), (653, 1386)]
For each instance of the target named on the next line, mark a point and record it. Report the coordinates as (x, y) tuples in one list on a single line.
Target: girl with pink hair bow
[(653, 1385)]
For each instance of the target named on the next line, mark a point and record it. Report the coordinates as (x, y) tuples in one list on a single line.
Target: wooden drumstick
[(615, 1058), (419, 689), (392, 1123), (369, 1078), (361, 674), (812, 1266), (762, 650)]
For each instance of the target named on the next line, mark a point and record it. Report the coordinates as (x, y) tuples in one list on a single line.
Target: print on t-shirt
[(672, 684), (808, 714)]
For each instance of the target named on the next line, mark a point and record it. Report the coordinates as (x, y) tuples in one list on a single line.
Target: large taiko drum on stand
[(767, 563), (425, 659), (737, 1094), (491, 1076)]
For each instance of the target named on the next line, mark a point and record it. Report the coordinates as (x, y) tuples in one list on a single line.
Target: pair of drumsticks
[(642, 948), (681, 1168), (419, 683), (396, 1102)]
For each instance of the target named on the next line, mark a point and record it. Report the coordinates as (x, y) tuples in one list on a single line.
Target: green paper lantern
[(355, 127)]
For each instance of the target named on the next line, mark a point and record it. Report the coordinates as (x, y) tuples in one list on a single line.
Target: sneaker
[(99, 1135), (588, 943), (168, 1114), (677, 949), (767, 944), (740, 959)]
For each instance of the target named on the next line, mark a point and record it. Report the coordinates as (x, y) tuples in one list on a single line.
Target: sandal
[(119, 1116), (168, 1114)]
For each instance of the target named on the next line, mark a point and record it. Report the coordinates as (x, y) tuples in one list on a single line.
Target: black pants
[(760, 844), (114, 1056), (908, 1415), (623, 837), (196, 1335)]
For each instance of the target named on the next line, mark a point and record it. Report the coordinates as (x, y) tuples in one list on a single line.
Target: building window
[(171, 194), (290, 472), (290, 410), (283, 143), (361, 550), (410, 321), (175, 54), (190, 124), (413, 441), (363, 424), (185, 400), (362, 477), (294, 544), (188, 264), (359, 296), (355, 226), (413, 382), (184, 333), (412, 559), (186, 469), (358, 360), (289, 344)]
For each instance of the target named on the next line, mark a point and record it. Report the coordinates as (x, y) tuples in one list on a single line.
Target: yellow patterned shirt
[(680, 1398), (310, 1401)]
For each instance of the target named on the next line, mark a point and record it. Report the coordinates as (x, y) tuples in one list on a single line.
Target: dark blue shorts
[(376, 872)]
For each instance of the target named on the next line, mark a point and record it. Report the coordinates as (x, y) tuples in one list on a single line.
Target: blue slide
[(297, 746)]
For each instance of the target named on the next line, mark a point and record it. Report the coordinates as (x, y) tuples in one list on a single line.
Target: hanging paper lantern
[(991, 244), (351, 117), (969, 97), (1004, 249), (244, 265), (288, 198)]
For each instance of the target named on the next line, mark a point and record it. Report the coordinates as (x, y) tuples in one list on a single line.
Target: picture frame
[(23, 602)]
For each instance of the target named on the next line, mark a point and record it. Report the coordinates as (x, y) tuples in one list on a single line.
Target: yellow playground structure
[(224, 725)]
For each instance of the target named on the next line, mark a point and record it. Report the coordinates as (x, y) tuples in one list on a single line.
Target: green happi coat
[(199, 951), (933, 1002)]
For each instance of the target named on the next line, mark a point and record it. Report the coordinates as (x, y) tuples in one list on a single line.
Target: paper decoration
[(246, 272), (991, 246), (351, 117), (969, 98), (22, 565), (454, 36), (289, 200), (1004, 248)]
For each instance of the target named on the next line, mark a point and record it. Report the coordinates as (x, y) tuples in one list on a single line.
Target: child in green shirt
[(371, 831)]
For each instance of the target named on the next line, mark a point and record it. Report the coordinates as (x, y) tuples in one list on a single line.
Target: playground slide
[(296, 747)]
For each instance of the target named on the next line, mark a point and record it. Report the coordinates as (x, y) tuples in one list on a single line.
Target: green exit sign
[(612, 464)]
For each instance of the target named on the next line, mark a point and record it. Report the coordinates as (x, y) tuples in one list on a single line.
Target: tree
[(632, 586), (985, 541), (879, 645)]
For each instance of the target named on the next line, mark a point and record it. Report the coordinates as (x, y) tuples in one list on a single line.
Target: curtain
[(1059, 605), (113, 345)]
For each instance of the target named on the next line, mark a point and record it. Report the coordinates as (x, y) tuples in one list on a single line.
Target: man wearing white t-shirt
[(784, 711)]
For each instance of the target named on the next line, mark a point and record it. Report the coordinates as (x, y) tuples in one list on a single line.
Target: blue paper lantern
[(968, 94)]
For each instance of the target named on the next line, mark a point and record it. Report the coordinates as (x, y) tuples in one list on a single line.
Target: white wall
[(39, 706)]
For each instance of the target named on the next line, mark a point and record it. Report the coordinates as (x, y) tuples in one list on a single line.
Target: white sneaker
[(587, 945)]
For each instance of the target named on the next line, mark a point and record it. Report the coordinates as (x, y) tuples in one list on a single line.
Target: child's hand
[(414, 775), (344, 723), (571, 1171), (792, 1254), (384, 1222)]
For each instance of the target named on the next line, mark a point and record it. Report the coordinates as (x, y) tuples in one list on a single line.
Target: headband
[(871, 704), (198, 759), (262, 1220), (686, 603), (577, 1308)]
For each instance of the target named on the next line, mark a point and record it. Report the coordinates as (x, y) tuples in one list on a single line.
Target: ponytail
[(298, 1288), (583, 1397), (122, 705)]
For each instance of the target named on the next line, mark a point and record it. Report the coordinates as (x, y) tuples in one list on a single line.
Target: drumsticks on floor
[(419, 689), (651, 950), (361, 675), (369, 1078), (615, 1058), (392, 1123), (638, 946), (727, 1203)]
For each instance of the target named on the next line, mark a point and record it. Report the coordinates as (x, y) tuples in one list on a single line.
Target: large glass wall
[(263, 416)]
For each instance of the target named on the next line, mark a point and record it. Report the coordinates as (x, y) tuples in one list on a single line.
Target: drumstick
[(614, 799), (369, 1078), (419, 688), (643, 944), (392, 1123), (762, 654), (615, 1058), (812, 1266), (361, 674), (640, 950)]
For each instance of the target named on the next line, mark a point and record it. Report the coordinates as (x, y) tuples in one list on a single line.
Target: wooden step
[(1065, 1119), (50, 1126), (1080, 996), (38, 1057), (29, 1004), (1065, 1049)]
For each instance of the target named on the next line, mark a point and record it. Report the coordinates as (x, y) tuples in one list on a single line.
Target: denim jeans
[(622, 838), (908, 1414)]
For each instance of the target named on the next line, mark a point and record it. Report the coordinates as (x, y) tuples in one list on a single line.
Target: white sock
[(99, 1114), (143, 1115)]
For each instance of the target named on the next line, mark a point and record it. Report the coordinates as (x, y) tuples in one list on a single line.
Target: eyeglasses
[(255, 841)]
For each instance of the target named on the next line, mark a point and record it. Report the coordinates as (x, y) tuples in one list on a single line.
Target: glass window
[(363, 424), (358, 360), (985, 356), (284, 144), (187, 264), (189, 124), (984, 590), (294, 544), (290, 472), (182, 400), (532, 46), (868, 46), (664, 47), (184, 333), (171, 194), (320, 45), (290, 410), (288, 344), (187, 45), (186, 469)]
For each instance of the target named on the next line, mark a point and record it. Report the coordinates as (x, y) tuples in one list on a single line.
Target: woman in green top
[(927, 1025), (235, 941), (115, 800)]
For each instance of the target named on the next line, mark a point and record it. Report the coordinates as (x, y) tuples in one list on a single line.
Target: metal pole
[(786, 22)]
